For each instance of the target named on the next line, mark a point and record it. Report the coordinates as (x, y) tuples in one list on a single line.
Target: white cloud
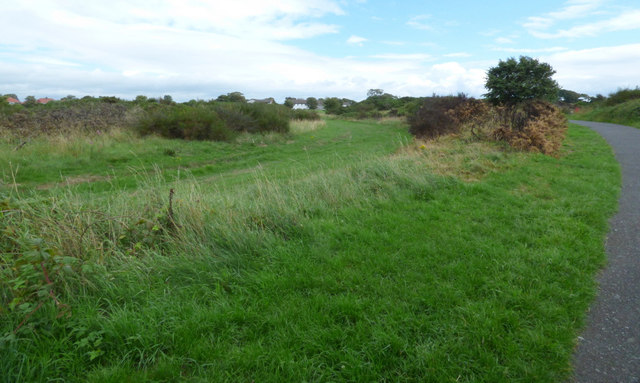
[(529, 50), (592, 25), (458, 54), (357, 40), (597, 70), (417, 22), (573, 9), (503, 40), (629, 20), (407, 57)]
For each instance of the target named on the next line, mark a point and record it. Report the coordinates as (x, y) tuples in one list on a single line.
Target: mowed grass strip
[(384, 269)]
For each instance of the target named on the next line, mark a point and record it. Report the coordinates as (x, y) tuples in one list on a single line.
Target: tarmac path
[(608, 350)]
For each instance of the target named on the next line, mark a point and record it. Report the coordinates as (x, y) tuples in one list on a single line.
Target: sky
[(196, 49)]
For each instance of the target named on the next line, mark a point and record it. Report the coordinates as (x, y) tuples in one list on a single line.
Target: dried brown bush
[(436, 116), (536, 126)]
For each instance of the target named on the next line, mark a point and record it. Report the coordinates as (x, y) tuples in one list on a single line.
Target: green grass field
[(344, 251)]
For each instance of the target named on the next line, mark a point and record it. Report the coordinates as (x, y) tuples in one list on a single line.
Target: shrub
[(622, 95), (435, 116), (537, 126), (186, 122), (235, 118), (268, 118), (304, 114), (65, 117)]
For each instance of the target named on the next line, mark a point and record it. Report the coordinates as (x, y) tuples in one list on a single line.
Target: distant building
[(269, 100), (300, 103), (45, 100), (13, 101)]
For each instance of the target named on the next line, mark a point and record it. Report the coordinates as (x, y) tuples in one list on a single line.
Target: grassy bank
[(626, 113), (332, 254)]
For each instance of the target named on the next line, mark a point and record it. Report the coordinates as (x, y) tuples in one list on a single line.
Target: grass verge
[(626, 113)]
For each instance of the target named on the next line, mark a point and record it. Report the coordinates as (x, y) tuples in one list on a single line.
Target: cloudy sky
[(200, 49)]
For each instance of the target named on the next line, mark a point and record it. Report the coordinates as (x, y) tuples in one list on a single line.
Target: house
[(269, 101), (13, 101), (300, 103), (45, 100)]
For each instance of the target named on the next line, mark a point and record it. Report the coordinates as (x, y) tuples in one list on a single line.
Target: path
[(609, 348)]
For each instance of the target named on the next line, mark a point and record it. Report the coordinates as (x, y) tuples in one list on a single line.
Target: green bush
[(186, 122), (235, 118), (304, 114), (268, 118), (622, 95)]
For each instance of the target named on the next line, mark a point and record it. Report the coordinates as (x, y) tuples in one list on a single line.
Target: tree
[(289, 102), (569, 96), (30, 101), (515, 81), (312, 102), (166, 100), (333, 105), (236, 97), (232, 97), (140, 99), (375, 92)]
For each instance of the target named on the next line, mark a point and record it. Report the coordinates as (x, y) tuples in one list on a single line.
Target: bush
[(267, 118), (186, 122), (304, 114), (65, 117), (622, 95), (536, 126), (435, 117), (235, 118)]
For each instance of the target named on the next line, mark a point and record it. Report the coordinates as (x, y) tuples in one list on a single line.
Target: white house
[(300, 103)]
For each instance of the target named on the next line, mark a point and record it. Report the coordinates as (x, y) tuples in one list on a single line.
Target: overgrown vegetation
[(195, 120), (351, 261), (621, 107), (532, 125)]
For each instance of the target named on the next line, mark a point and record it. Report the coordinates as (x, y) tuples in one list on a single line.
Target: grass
[(345, 256), (626, 113)]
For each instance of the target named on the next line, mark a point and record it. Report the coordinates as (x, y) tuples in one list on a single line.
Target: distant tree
[(232, 97), (514, 81), (68, 98), (236, 97), (312, 102), (289, 102), (166, 100), (568, 96), (109, 99), (375, 92), (333, 105), (30, 101), (11, 95), (140, 99)]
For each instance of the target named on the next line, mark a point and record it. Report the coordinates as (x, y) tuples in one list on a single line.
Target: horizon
[(315, 48)]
